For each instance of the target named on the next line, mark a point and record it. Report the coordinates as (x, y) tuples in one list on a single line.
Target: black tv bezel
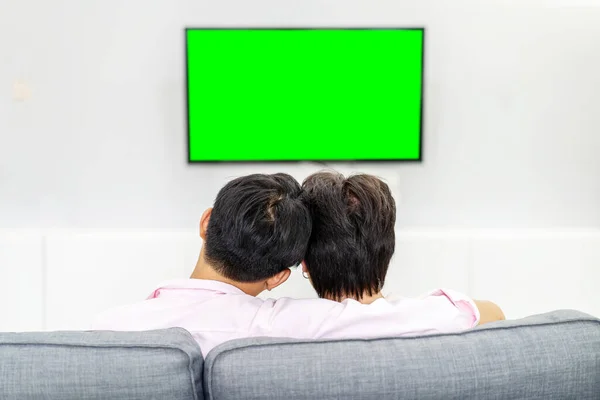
[(341, 161)]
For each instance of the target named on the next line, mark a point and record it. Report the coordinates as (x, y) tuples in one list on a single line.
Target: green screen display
[(304, 94)]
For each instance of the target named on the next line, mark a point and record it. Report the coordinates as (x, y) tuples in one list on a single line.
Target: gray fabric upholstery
[(550, 356), (165, 364)]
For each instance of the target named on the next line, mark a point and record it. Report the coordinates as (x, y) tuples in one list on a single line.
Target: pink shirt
[(216, 312)]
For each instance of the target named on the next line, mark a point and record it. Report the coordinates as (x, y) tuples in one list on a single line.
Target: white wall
[(511, 121), (511, 142)]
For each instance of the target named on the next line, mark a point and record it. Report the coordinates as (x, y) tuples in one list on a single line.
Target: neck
[(368, 299), (364, 299), (204, 270)]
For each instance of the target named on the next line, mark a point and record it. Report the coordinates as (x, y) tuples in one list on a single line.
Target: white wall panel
[(86, 273), (425, 261), (528, 273), (21, 282), (90, 272)]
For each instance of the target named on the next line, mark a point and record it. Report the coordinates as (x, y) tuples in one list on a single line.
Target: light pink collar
[(196, 284)]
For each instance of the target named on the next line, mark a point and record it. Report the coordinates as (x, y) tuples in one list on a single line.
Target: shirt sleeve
[(464, 304), (441, 311)]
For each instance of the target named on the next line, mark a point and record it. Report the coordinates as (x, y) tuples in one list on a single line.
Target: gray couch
[(550, 356)]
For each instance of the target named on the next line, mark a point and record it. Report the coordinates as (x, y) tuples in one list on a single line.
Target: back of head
[(352, 240), (258, 227)]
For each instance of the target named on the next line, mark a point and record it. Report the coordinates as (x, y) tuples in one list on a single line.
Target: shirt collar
[(197, 284)]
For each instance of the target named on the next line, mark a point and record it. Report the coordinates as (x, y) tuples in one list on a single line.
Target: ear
[(304, 269), (204, 222), (278, 279)]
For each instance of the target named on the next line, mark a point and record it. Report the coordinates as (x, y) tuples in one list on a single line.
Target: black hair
[(258, 227), (353, 239)]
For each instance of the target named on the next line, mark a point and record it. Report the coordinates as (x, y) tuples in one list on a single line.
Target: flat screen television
[(293, 94)]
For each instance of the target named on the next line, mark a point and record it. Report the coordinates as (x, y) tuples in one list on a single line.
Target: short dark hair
[(353, 239), (258, 227)]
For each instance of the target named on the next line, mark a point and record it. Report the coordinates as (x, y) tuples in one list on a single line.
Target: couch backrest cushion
[(164, 364), (550, 356)]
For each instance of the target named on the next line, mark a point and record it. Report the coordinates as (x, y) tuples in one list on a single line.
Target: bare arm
[(489, 312)]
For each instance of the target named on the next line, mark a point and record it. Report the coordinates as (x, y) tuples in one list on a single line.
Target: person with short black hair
[(259, 227), (353, 239), (353, 236)]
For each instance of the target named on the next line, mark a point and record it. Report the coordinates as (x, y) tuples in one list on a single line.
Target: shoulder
[(129, 317), (441, 305)]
